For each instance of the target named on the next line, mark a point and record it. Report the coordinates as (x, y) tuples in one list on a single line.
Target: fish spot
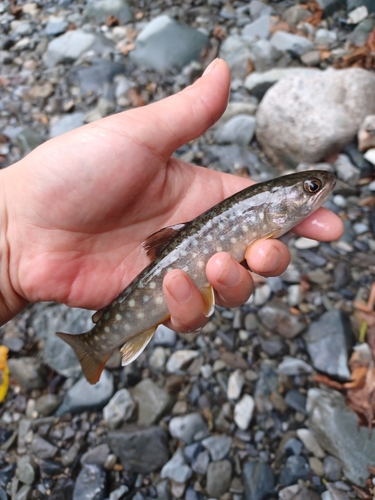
[(140, 286), (140, 315), (183, 253), (159, 300), (152, 285), (205, 251), (245, 229), (219, 249), (264, 226), (221, 226), (209, 237), (145, 298), (96, 337), (169, 269), (261, 215), (127, 327), (118, 317), (222, 238), (200, 264), (131, 303), (195, 242), (185, 269), (107, 329), (233, 240)]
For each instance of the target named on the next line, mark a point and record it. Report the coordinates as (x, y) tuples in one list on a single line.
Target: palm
[(93, 212)]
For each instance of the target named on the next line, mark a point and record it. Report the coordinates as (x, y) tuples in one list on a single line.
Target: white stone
[(261, 294), (294, 295), (180, 359), (119, 408), (235, 384), (243, 412), (158, 357), (311, 444), (370, 156), (305, 243), (357, 15)]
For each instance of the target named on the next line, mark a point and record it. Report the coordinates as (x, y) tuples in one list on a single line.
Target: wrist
[(10, 301)]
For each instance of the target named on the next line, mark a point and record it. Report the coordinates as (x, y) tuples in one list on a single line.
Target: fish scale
[(261, 211)]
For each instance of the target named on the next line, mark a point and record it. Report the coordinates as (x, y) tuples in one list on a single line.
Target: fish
[(264, 210)]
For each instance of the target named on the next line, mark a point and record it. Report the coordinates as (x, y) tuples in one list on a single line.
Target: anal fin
[(135, 346), (208, 296)]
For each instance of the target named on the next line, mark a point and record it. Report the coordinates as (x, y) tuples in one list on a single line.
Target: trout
[(265, 210)]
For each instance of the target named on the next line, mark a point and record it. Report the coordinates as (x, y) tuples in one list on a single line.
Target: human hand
[(75, 211)]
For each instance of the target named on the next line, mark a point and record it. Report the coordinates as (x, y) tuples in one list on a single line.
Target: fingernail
[(210, 67), (180, 288), (229, 274)]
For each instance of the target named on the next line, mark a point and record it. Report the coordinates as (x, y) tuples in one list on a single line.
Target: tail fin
[(92, 364)]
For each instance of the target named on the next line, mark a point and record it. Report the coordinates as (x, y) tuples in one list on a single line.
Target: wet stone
[(165, 337), (179, 360), (200, 464), (29, 373), (26, 469), (310, 442), (336, 428), (294, 399), (140, 450), (42, 448), (119, 409), (101, 9), (97, 455), (218, 446), (296, 467), (188, 427), (152, 401), (219, 475), (238, 130), (66, 124), (47, 404), (153, 44), (327, 341), (258, 480), (276, 317), (91, 484), (332, 468), (176, 468), (83, 396)]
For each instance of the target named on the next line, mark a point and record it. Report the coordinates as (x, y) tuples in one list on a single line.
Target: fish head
[(296, 197)]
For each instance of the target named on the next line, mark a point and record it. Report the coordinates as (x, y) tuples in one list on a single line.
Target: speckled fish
[(265, 210)]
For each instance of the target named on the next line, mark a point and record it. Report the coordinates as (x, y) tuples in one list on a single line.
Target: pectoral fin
[(208, 296), (134, 347)]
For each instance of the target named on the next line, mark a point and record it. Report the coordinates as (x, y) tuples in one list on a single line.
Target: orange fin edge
[(92, 366)]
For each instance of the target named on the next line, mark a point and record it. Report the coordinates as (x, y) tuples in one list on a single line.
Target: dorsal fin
[(156, 242)]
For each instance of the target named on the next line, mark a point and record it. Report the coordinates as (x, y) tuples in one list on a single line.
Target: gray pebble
[(219, 475), (91, 484)]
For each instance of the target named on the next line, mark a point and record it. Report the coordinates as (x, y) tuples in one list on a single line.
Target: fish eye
[(312, 185)]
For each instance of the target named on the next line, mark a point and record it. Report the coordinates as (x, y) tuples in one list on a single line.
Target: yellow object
[(4, 372)]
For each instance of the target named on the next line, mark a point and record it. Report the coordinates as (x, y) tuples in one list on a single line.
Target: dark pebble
[(63, 490), (274, 346), (296, 468), (294, 399), (342, 274), (50, 468), (313, 258), (258, 480), (4, 435), (6, 474), (293, 447)]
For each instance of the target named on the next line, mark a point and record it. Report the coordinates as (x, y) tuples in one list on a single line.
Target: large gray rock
[(328, 341), (257, 83), (219, 475), (139, 449), (305, 118), (152, 401), (99, 10), (166, 43), (336, 428), (84, 396)]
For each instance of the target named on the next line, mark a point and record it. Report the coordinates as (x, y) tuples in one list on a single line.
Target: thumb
[(166, 125)]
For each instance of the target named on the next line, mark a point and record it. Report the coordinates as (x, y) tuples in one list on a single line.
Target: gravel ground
[(233, 412)]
